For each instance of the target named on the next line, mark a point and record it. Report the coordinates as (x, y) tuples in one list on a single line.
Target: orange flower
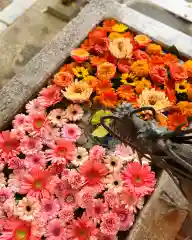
[(86, 45), (96, 34), (121, 48), (188, 67), (140, 68), (91, 81), (127, 93), (153, 48), (108, 98), (158, 74), (101, 46), (95, 61), (79, 55), (102, 86), (175, 119), (106, 71), (161, 119), (169, 58), (63, 79), (140, 55), (114, 35), (185, 108), (69, 67), (142, 84), (108, 24), (178, 72), (189, 93), (124, 65), (142, 40), (156, 60)]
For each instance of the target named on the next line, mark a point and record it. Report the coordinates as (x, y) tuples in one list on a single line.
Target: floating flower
[(185, 108), (139, 178), (79, 55), (80, 157), (55, 230), (140, 68), (121, 48), (156, 60), (128, 198), (49, 208), (106, 71), (153, 98), (31, 145), (113, 163), (119, 27), (188, 67), (182, 87), (114, 182), (127, 93), (154, 49), (94, 173), (103, 85), (169, 59), (124, 65), (142, 84), (68, 198), (158, 74), (108, 24), (140, 55), (178, 72), (71, 132), (129, 79), (69, 67), (110, 223), (2, 180), (78, 92), (37, 159), (63, 79), (5, 194), (50, 96), (74, 112), (176, 119), (97, 153), (101, 236), (34, 107), (49, 134), (28, 209), (86, 44), (108, 98), (142, 40), (111, 198)]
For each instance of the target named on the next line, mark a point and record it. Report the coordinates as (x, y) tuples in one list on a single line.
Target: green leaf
[(100, 132), (174, 51), (98, 115)]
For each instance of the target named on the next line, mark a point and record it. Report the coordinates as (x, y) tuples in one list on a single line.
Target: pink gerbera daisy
[(70, 132), (37, 183), (67, 213), (82, 229), (74, 112), (37, 159), (68, 198), (30, 145), (129, 198), (5, 194), (62, 152), (86, 197), (57, 117), (94, 173), (55, 230), (110, 223), (50, 96), (124, 152), (49, 135), (139, 178), (97, 153), (2, 180), (97, 209), (34, 107), (49, 208), (19, 121)]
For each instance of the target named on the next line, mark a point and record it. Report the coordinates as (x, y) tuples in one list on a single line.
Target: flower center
[(69, 199), (116, 183), (138, 179), (78, 90), (152, 100), (113, 163), (79, 157), (182, 87), (71, 131), (3, 198), (74, 112), (21, 235), (58, 117), (38, 184), (48, 207), (56, 231), (28, 208)]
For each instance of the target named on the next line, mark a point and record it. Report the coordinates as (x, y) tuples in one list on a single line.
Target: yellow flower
[(119, 27), (188, 66), (153, 98), (80, 72), (121, 48), (78, 92), (114, 35), (140, 68), (154, 49), (182, 87), (185, 107), (140, 85), (129, 79)]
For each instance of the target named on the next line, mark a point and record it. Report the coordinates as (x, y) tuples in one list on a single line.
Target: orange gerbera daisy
[(140, 85), (154, 49), (140, 68), (108, 98), (185, 108), (63, 79), (188, 66), (127, 93), (69, 67), (96, 34), (106, 71), (91, 81), (95, 60), (79, 55), (169, 58), (108, 24), (86, 45), (175, 119), (156, 60), (102, 86), (142, 40), (178, 72)]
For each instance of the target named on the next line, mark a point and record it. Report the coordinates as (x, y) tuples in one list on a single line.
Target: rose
[(139, 55), (158, 74), (178, 71), (124, 65)]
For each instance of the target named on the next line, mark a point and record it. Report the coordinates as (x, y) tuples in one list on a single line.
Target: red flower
[(140, 55), (79, 55), (178, 71), (175, 119), (96, 34), (169, 59), (110, 58), (158, 74), (101, 46), (108, 24), (124, 65)]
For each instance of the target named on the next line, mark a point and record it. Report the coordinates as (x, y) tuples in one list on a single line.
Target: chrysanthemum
[(34, 107), (19, 121), (124, 152), (2, 180), (158, 74), (113, 163), (110, 223), (63, 79), (169, 58), (68, 198), (141, 55), (153, 49), (142, 84), (108, 98), (106, 70), (5, 193), (140, 68), (30, 145), (114, 182), (139, 178), (97, 153), (182, 87), (8, 208), (82, 229), (86, 197), (74, 112), (97, 209), (119, 27), (27, 209), (153, 98), (78, 92), (94, 173), (55, 230), (188, 66), (62, 152), (142, 40), (80, 156), (75, 180), (126, 92), (37, 183), (49, 208), (176, 119), (66, 214), (124, 65), (50, 96), (57, 117), (70, 132), (121, 48), (101, 46)]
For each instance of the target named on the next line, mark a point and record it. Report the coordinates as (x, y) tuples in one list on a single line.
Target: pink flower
[(94, 173), (49, 135), (75, 180), (19, 121), (14, 181), (37, 183), (38, 121), (67, 213), (49, 208), (126, 217), (9, 207), (97, 153), (55, 230), (101, 236), (124, 152), (5, 193), (68, 198), (81, 229), (86, 197), (62, 152), (129, 198), (37, 159), (2, 180), (111, 198), (110, 224), (57, 117), (114, 182), (70, 132), (139, 178), (16, 163), (50, 96), (30, 145), (96, 209), (34, 107), (74, 112)]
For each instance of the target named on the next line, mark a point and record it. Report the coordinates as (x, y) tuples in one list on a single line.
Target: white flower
[(2, 180), (114, 163), (80, 157), (114, 182)]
